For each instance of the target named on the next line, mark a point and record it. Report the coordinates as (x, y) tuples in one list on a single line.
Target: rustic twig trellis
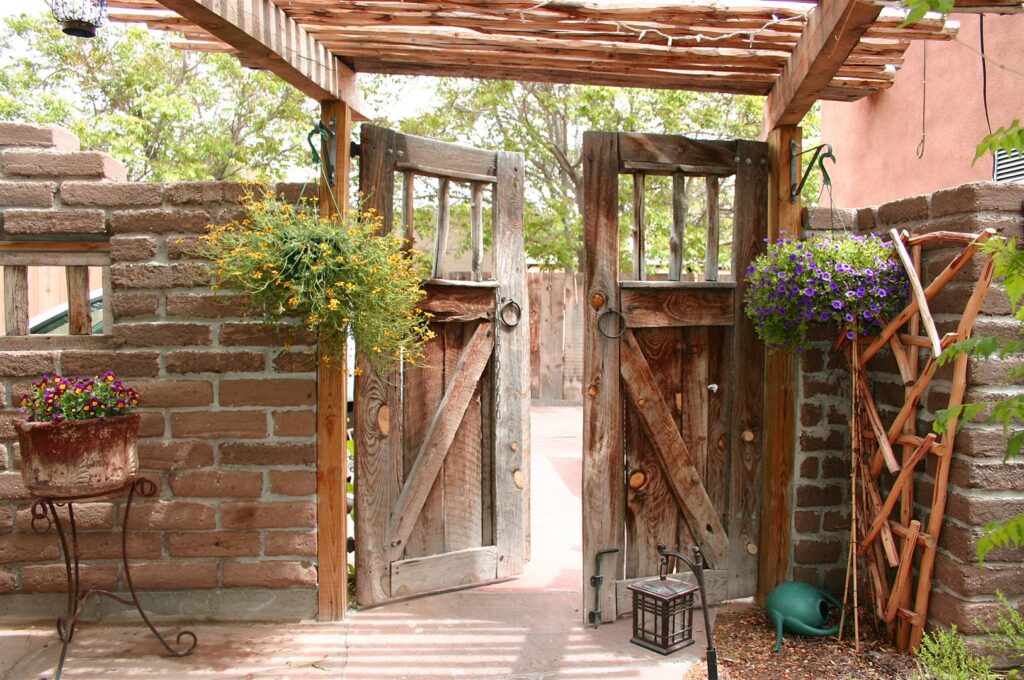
[(875, 530)]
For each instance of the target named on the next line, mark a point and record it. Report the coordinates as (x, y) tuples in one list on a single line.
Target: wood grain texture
[(463, 465), (833, 31), (331, 416), (749, 229), (676, 462), (714, 230), (717, 480), (639, 228), (572, 341), (695, 397), (552, 329), (677, 237), (603, 487), (780, 390), (437, 443), (682, 305), (512, 391), (713, 157), (443, 220), (16, 300), (455, 300), (476, 230), (442, 572), (423, 388), (653, 515), (79, 307), (453, 158)]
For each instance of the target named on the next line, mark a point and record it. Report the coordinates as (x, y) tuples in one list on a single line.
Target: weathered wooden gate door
[(672, 374), (442, 451)]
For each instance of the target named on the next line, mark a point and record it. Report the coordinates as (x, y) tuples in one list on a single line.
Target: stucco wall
[(876, 139)]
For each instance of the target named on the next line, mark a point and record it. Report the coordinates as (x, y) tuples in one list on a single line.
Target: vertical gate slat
[(719, 418), (695, 396), (79, 308), (443, 217), (572, 342), (424, 388), (409, 209), (536, 294), (749, 229), (512, 436), (463, 464), (714, 229), (16, 299), (639, 228), (476, 216), (376, 409), (553, 316), (677, 239), (603, 488)]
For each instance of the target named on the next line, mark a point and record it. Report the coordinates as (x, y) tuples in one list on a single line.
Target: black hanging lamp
[(80, 18)]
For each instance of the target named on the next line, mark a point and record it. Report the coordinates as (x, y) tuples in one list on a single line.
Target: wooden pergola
[(793, 53)]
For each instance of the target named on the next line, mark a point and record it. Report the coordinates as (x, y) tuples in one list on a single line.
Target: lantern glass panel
[(80, 18), (663, 614)]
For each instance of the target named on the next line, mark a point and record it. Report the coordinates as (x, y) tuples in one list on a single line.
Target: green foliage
[(332, 274), (56, 398), (1007, 139), (1007, 412), (916, 9), (1007, 633), (853, 282), (944, 656), (546, 123), (168, 115)]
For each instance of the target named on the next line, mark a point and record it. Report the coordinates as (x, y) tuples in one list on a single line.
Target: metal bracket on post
[(596, 581), (795, 187), (332, 149)]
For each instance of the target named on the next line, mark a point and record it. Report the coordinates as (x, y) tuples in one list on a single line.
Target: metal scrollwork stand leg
[(46, 517)]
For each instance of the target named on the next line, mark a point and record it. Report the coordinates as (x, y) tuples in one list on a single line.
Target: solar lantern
[(80, 18), (663, 609)]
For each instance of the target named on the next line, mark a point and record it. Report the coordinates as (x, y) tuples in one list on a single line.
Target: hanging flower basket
[(78, 440), (851, 282)]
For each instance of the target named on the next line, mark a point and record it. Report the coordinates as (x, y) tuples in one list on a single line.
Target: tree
[(546, 122), (168, 115)]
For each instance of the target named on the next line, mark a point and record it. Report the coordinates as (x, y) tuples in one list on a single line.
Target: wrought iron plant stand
[(45, 517)]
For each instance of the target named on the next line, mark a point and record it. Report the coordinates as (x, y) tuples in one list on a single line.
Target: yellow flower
[(293, 302), (333, 304)]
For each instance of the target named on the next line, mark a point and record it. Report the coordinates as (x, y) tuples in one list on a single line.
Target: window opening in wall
[(43, 299)]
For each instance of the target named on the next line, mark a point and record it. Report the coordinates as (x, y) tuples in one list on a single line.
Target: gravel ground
[(745, 639)]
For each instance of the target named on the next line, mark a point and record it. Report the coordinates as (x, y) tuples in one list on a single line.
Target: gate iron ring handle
[(622, 323), (514, 306)]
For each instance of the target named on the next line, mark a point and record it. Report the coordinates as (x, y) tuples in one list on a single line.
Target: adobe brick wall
[(227, 413), (982, 486)]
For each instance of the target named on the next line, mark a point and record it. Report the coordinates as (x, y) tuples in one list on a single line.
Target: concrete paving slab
[(529, 628)]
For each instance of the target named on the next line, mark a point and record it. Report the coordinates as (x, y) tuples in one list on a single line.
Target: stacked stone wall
[(228, 413), (982, 486)]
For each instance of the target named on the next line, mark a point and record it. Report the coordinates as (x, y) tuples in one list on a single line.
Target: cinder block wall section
[(982, 486), (228, 414)]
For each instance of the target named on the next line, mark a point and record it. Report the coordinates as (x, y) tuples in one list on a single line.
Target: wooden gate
[(673, 374), (442, 451)]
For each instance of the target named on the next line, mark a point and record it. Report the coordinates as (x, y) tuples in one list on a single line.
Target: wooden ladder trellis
[(875, 530)]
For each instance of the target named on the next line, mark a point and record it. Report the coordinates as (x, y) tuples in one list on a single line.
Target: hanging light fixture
[(79, 18)]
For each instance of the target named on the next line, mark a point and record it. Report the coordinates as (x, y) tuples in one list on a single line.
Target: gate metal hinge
[(354, 149)]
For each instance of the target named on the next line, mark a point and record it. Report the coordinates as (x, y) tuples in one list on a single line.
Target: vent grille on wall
[(1009, 166)]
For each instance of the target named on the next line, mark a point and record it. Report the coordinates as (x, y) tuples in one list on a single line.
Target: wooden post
[(331, 426), (779, 390)]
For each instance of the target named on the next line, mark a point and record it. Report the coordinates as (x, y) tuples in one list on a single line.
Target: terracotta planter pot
[(78, 457)]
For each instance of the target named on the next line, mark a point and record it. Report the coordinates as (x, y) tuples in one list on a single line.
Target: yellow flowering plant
[(334, 275)]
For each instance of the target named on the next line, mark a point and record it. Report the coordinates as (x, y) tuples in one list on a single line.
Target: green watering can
[(799, 608)]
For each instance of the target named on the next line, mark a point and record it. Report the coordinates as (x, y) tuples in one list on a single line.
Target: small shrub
[(1007, 632), (944, 656), (57, 398)]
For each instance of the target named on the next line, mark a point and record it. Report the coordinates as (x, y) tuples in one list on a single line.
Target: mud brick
[(268, 454), (298, 543), (174, 393), (817, 552), (174, 575), (897, 213), (292, 482), (260, 335), (295, 362), (27, 194), (276, 574), (295, 423), (207, 192), (172, 514), (217, 484), (48, 164), (214, 544), (214, 362), (22, 547), (111, 194), (809, 468), (148, 275), (205, 306), (87, 516), (222, 424), (127, 305), (159, 221), (267, 515), (174, 455), (107, 545), (51, 578), (124, 364), (132, 248), (807, 521), (818, 496), (52, 136), (267, 392), (163, 334)]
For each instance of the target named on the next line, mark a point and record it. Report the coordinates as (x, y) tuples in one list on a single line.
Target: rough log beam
[(833, 31), (265, 37)]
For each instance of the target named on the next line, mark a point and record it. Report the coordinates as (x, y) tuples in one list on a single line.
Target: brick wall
[(228, 417), (982, 486)]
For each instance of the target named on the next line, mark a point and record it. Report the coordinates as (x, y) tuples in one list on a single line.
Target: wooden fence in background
[(556, 337)]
